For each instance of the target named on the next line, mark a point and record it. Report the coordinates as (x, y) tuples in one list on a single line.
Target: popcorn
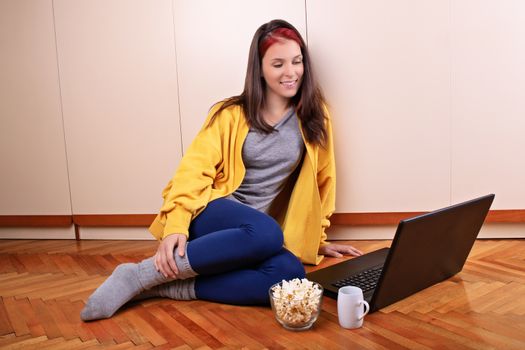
[(296, 302)]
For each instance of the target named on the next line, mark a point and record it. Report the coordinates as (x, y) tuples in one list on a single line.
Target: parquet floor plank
[(102, 334), (63, 345), (17, 264), (28, 313), (259, 319), (380, 326), (90, 264), (71, 312), (423, 333), (45, 284), (128, 328), (5, 324), (169, 314), (464, 336), (113, 329), (238, 319), (362, 337), (422, 299), (45, 319), (66, 328), (112, 261), (167, 329), (6, 340), (332, 338), (184, 347), (230, 335), (14, 316), (139, 318), (105, 262), (497, 271), (22, 283), (80, 295), (212, 338), (52, 344), (8, 276), (62, 285), (456, 322), (30, 262), (25, 342), (85, 345), (291, 340), (69, 265), (481, 335), (49, 264), (5, 264)]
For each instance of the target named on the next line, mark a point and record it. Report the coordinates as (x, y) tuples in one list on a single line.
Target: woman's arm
[(187, 193)]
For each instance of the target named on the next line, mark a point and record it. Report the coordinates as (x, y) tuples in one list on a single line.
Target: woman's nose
[(288, 70)]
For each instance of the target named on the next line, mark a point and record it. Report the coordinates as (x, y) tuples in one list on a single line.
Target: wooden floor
[(44, 284)]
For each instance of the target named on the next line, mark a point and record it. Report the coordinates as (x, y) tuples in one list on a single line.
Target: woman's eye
[(297, 62), (278, 65)]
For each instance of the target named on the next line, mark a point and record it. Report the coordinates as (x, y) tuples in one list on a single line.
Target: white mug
[(350, 307)]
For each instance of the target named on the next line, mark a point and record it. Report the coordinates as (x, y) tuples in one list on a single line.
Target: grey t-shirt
[(269, 160)]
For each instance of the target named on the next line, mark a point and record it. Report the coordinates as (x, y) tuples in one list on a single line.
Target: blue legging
[(238, 253)]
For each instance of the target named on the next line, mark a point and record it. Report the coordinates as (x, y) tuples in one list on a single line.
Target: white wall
[(427, 98)]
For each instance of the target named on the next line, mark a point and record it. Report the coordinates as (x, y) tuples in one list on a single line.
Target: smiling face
[(282, 69)]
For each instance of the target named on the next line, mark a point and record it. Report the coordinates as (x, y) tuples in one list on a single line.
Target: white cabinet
[(34, 178), (99, 98), (119, 94), (488, 101), (385, 69)]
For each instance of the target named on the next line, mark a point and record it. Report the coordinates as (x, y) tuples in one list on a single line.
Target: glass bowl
[(296, 304)]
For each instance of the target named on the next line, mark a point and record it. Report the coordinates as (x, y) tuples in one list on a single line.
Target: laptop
[(426, 249)]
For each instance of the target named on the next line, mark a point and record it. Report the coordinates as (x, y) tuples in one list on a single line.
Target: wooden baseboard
[(114, 220), (144, 220), (393, 218), (36, 220)]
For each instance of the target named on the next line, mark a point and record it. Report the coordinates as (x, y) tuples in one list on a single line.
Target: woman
[(252, 196)]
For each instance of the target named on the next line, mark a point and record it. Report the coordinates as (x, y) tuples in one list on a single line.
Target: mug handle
[(367, 308)]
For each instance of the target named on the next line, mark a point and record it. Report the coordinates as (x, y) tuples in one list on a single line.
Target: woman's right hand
[(164, 259)]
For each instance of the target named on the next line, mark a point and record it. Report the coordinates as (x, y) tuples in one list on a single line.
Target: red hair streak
[(277, 35)]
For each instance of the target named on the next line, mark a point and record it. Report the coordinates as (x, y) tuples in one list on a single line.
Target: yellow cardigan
[(212, 168)]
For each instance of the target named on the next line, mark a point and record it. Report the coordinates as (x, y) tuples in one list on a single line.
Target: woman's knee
[(287, 266), (294, 269), (266, 234)]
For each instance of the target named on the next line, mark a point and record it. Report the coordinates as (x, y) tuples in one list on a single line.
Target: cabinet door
[(385, 68), (33, 175), (213, 39), (119, 91), (488, 101)]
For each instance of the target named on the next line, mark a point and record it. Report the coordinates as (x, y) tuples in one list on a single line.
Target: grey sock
[(176, 290), (127, 281), (183, 264)]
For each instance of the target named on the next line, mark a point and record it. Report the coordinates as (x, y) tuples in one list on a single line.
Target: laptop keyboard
[(366, 280)]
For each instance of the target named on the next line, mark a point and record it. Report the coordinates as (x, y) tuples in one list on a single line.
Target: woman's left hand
[(338, 250)]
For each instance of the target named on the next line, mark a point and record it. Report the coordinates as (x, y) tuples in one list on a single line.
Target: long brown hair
[(309, 100)]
